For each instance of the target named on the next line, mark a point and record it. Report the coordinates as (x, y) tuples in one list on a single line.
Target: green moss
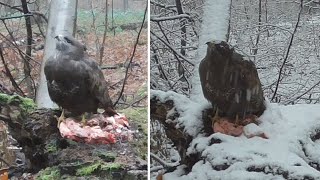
[(4, 98), (28, 104), (50, 173), (105, 155), (89, 169), (111, 166), (97, 166), (51, 148), (25, 104)]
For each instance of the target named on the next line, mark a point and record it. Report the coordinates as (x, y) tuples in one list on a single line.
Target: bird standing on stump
[(230, 83), (75, 82)]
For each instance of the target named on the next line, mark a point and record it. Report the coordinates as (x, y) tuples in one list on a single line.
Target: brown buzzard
[(230, 83), (75, 82)]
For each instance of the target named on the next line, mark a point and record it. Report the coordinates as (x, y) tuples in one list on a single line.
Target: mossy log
[(36, 132)]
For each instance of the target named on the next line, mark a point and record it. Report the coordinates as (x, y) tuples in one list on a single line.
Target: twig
[(27, 70), (14, 44), (109, 67), (288, 50), (4, 118), (15, 17), (298, 97), (170, 18), (21, 10), (155, 168), (172, 49), (8, 73), (136, 101), (133, 53), (167, 7), (162, 162), (113, 28), (104, 33), (39, 27)]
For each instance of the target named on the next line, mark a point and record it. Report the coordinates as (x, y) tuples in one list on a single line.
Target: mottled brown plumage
[(229, 82), (75, 82)]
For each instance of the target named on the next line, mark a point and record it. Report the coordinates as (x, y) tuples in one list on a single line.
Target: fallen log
[(36, 132)]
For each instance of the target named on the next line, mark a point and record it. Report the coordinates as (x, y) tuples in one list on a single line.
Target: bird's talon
[(215, 118), (83, 120), (237, 120), (60, 119)]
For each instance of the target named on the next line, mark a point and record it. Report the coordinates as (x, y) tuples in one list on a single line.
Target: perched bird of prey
[(230, 83), (75, 82)]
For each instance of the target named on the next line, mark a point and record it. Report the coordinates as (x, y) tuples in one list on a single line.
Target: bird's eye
[(67, 39)]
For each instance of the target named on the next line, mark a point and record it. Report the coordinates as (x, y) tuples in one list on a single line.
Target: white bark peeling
[(248, 95)]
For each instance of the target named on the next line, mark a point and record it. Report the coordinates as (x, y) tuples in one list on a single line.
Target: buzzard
[(230, 83), (75, 82)]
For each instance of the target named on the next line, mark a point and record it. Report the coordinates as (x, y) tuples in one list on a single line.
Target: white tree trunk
[(62, 20), (214, 27)]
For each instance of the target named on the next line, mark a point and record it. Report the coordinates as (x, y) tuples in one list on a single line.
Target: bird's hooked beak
[(58, 37), (210, 45)]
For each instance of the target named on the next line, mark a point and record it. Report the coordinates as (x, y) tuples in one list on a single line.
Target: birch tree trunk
[(62, 20)]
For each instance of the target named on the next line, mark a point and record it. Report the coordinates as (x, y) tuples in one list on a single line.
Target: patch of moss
[(51, 148), (28, 104), (105, 155), (25, 104), (97, 166), (111, 166), (88, 169), (4, 98), (50, 173)]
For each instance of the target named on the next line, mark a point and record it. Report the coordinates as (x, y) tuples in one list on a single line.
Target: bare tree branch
[(21, 10), (133, 53), (27, 70), (8, 73), (288, 50), (15, 17), (172, 49)]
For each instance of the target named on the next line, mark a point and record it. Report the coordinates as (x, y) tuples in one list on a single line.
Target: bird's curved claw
[(216, 117), (60, 119)]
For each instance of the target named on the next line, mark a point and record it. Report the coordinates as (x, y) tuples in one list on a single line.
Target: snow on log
[(62, 20)]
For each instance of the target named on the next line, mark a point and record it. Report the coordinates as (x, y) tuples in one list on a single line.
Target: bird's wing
[(49, 68), (98, 85)]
